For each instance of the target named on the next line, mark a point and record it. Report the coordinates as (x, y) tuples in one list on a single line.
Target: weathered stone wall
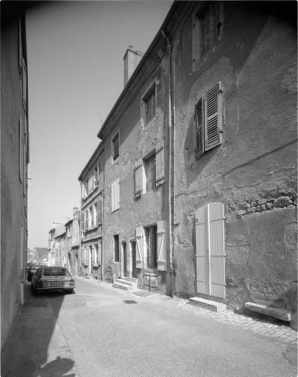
[(13, 215), (136, 141), (254, 171)]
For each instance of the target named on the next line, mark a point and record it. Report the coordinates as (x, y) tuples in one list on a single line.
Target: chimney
[(76, 213), (131, 61)]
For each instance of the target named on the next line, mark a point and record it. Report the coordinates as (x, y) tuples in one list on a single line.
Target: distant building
[(14, 161), (72, 242)]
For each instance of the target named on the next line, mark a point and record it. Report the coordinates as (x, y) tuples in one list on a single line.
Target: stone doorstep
[(281, 314), (126, 287), (207, 304)]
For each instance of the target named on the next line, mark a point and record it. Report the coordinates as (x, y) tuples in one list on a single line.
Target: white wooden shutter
[(86, 220), (99, 211), (202, 261), (213, 117), (138, 181), (217, 247), (140, 247), (161, 246), (160, 167), (82, 222), (92, 252), (210, 246), (117, 194)]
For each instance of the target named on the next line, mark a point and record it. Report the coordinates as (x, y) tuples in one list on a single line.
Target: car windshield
[(55, 272)]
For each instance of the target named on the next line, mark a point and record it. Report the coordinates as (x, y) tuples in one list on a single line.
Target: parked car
[(53, 278), (31, 270)]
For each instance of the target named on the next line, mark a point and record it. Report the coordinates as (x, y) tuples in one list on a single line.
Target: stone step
[(126, 287), (124, 281), (207, 304), (281, 314)]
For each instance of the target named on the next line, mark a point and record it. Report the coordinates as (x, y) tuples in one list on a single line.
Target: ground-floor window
[(151, 246)]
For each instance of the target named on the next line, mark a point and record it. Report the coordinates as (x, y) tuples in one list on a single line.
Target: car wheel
[(69, 291)]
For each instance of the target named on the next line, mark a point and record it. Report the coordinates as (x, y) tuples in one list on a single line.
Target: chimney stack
[(131, 61)]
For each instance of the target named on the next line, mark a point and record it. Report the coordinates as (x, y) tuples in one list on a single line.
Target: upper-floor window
[(115, 146), (151, 246), (208, 120), (207, 28), (149, 104), (150, 172)]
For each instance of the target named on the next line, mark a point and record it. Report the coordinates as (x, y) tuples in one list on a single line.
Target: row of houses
[(192, 189)]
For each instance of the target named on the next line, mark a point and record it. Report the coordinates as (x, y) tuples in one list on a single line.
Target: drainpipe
[(171, 159)]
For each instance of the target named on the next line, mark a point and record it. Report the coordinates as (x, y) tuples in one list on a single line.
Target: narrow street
[(102, 331)]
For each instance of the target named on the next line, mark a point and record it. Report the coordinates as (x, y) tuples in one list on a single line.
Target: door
[(124, 258), (133, 260), (210, 251)]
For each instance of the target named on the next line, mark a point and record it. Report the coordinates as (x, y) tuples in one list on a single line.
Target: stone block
[(281, 314), (207, 304)]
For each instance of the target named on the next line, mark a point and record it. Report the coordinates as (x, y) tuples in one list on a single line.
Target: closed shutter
[(138, 181), (160, 167), (140, 247), (199, 129), (210, 250), (213, 117), (161, 246)]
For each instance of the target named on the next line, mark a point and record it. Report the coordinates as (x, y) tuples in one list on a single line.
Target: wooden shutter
[(99, 211), (217, 249), (210, 254), (199, 129), (213, 117), (202, 248), (82, 222), (161, 246), (86, 220), (140, 247), (99, 252), (138, 181), (160, 167), (117, 194), (92, 252)]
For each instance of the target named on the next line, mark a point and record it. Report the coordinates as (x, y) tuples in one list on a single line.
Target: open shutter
[(86, 219), (99, 211), (199, 129), (99, 252), (92, 252), (217, 249), (213, 117), (160, 167), (140, 247), (138, 181), (161, 246), (117, 194), (82, 222), (202, 249)]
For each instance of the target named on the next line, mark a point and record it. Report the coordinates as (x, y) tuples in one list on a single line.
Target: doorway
[(133, 259), (124, 258)]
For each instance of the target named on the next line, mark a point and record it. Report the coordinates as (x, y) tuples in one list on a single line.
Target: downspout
[(171, 160)]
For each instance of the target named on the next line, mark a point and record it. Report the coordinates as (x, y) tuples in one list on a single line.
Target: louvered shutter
[(99, 252), (99, 211), (86, 219), (117, 194), (113, 196), (161, 246), (213, 117), (92, 252), (138, 181), (140, 247), (160, 167), (217, 247), (199, 129)]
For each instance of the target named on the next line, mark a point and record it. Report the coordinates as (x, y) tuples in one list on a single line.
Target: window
[(115, 146), (208, 120), (116, 248), (115, 195), (150, 105), (207, 28), (149, 173), (151, 246)]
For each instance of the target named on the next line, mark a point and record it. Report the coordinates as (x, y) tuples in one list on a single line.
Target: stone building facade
[(91, 224), (14, 162), (200, 170)]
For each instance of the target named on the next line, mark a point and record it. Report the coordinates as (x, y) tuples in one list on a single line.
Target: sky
[(75, 75)]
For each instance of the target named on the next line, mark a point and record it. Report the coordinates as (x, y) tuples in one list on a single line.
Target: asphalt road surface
[(102, 331)]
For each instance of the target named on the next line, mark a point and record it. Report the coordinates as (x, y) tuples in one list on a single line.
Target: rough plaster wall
[(136, 141), (12, 205), (253, 172)]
